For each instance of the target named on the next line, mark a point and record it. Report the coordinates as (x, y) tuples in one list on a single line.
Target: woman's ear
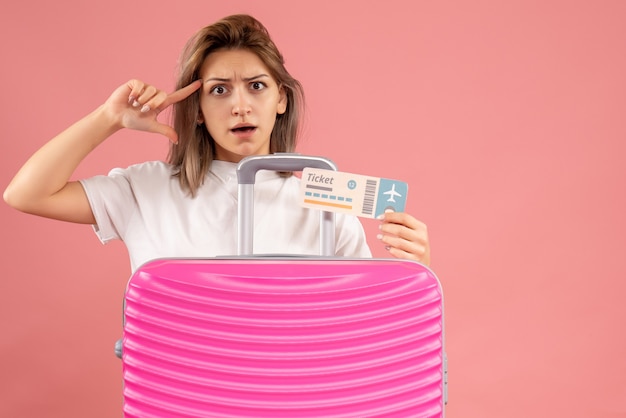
[(281, 107)]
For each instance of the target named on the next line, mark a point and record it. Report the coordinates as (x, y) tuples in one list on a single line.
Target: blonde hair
[(195, 150)]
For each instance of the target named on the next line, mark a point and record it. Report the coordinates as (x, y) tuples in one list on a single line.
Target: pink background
[(505, 117)]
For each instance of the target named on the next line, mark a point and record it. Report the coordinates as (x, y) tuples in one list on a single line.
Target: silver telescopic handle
[(246, 174)]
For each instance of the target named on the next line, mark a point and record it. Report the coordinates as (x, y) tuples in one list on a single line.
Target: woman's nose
[(241, 105)]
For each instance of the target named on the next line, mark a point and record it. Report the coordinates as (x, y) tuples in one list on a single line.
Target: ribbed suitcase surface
[(261, 337)]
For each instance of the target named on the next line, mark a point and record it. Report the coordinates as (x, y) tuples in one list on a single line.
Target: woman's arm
[(42, 187)]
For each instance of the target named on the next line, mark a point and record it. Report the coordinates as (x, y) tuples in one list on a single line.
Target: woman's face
[(239, 103)]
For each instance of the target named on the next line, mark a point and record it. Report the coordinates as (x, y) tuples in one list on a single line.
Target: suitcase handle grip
[(246, 174), (248, 167)]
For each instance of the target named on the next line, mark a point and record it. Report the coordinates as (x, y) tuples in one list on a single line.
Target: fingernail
[(379, 236), (145, 109), (136, 103), (387, 247), (388, 210), (380, 217), (131, 99)]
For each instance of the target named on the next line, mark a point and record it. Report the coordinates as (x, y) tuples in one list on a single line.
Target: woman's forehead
[(233, 64)]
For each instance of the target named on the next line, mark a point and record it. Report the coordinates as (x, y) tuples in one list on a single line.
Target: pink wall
[(505, 117)]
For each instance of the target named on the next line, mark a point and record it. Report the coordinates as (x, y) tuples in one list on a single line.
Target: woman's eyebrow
[(255, 77), (216, 79), (223, 80)]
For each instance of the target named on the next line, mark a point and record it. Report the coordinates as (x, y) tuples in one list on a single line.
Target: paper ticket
[(351, 193)]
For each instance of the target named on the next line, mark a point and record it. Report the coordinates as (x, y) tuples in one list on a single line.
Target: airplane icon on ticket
[(392, 194)]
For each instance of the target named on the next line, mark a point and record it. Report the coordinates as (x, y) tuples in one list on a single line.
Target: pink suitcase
[(283, 336)]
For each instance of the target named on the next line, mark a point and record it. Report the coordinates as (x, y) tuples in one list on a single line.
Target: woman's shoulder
[(148, 168)]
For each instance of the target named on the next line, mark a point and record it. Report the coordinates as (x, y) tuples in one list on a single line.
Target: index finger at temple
[(182, 94)]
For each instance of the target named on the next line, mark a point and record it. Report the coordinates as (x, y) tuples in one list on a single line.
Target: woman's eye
[(218, 90), (257, 85)]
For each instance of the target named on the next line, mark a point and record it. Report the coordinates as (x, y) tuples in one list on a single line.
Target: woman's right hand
[(136, 105)]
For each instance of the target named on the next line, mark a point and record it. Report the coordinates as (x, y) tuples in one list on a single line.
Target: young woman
[(234, 98)]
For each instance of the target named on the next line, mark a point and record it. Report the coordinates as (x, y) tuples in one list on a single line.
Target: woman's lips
[(243, 132)]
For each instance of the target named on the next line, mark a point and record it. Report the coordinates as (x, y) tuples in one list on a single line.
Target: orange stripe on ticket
[(335, 205)]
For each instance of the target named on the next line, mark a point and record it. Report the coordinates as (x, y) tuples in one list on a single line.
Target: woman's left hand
[(404, 236)]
